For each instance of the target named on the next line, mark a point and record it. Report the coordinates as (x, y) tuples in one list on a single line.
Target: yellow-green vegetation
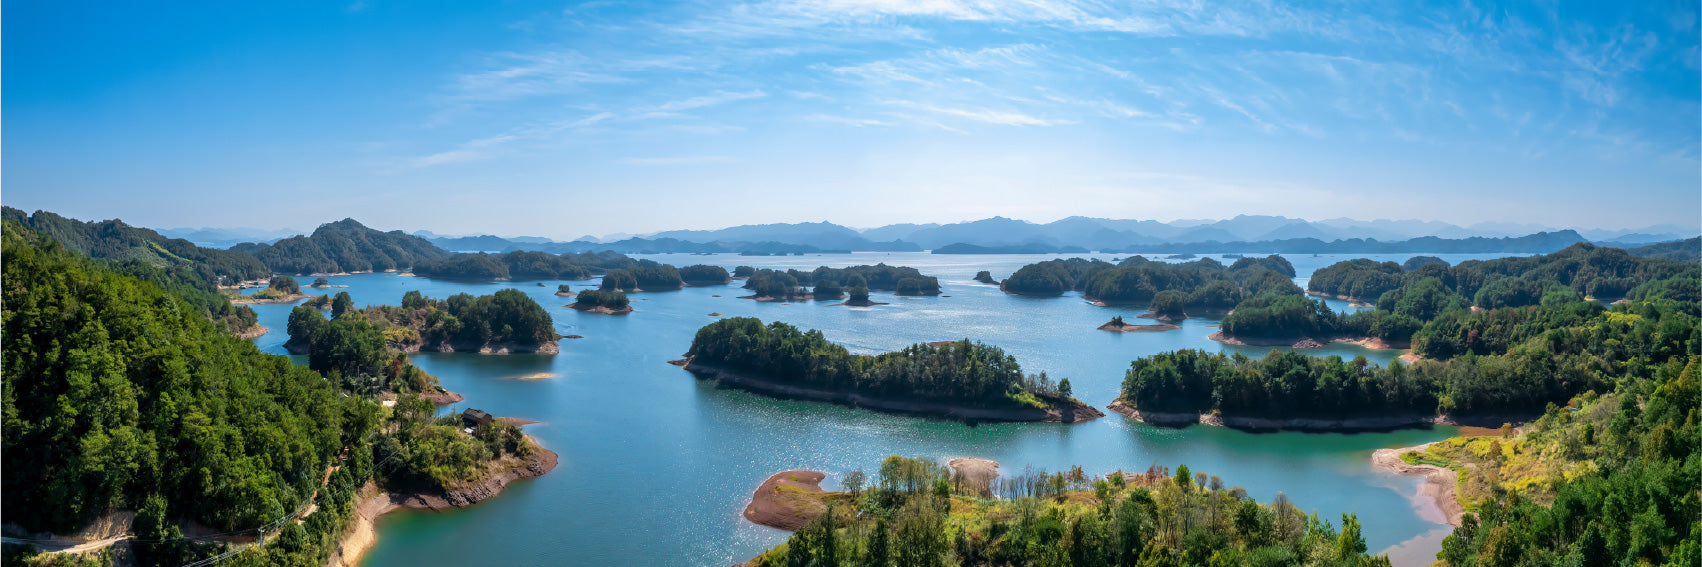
[(915, 515), (1606, 480)]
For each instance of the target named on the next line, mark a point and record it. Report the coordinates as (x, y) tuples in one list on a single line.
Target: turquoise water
[(656, 465)]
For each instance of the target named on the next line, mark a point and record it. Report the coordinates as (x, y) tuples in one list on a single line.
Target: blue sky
[(562, 119)]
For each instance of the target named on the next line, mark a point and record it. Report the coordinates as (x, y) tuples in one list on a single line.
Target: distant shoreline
[(1317, 424)]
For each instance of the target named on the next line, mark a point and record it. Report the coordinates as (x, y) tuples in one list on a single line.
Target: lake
[(656, 465)]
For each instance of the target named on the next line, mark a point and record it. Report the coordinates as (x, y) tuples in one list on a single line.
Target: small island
[(564, 290), (832, 283), (985, 277), (644, 275), (960, 380), (703, 275), (507, 322), (280, 289), (1117, 324), (602, 302), (322, 283)]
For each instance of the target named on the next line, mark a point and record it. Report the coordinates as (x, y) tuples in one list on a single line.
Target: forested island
[(1500, 362), (605, 302), (279, 289), (1444, 310), (958, 379), (703, 275), (344, 246), (643, 275), (1171, 288), (121, 397), (917, 512), (506, 322), (833, 283)]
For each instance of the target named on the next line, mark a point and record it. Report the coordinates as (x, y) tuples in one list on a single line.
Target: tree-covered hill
[(1608, 479), (119, 396), (117, 392), (189, 271), (117, 242), (1435, 305), (1506, 361), (1688, 250), (343, 246), (1171, 288)]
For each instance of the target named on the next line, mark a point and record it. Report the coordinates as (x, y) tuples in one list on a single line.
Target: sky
[(561, 119)]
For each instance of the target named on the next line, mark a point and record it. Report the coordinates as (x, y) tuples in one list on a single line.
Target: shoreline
[(1438, 488), (498, 349), (1351, 302), (249, 299), (850, 303), (1372, 343), (1311, 424), (940, 410), (600, 310), (361, 534), (1130, 328), (1266, 424), (254, 332)]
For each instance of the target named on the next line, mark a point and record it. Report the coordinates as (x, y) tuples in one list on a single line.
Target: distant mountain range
[(1000, 234)]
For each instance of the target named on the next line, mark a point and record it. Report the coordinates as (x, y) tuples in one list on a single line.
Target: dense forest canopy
[(117, 242), (916, 512), (1202, 285), (1688, 250), (118, 393), (901, 280), (705, 275), (1507, 360), (593, 298), (645, 275), (178, 266), (462, 322), (121, 396), (1433, 299), (962, 371), (1606, 480), (343, 246)]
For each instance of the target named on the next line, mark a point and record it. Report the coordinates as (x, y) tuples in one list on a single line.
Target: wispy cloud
[(990, 116), (484, 147), (677, 161)]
